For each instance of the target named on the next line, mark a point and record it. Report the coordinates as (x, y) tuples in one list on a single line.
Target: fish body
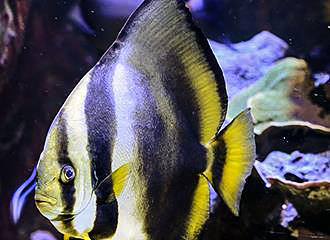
[(134, 150)]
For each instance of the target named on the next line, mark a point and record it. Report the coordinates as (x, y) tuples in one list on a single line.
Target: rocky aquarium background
[(276, 59)]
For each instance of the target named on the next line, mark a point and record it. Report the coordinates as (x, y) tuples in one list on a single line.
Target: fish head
[(64, 179), (48, 190)]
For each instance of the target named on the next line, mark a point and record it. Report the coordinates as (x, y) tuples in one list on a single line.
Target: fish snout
[(42, 199), (44, 181), (43, 190)]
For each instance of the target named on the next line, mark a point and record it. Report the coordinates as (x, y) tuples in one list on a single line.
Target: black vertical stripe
[(101, 131), (162, 152), (188, 113), (219, 162), (183, 95), (106, 220), (169, 199), (67, 189), (100, 118)]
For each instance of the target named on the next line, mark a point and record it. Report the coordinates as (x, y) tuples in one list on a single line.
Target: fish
[(139, 144)]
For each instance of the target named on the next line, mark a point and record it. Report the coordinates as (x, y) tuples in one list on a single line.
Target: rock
[(288, 214), (296, 166), (292, 136), (301, 23), (281, 95), (254, 222), (304, 181), (310, 199), (244, 63), (320, 95), (278, 83), (7, 31), (306, 234)]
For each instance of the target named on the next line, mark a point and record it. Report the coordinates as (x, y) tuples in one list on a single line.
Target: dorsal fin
[(161, 41)]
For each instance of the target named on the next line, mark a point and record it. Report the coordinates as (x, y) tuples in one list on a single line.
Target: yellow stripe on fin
[(203, 82), (119, 178), (113, 185), (231, 156), (200, 209)]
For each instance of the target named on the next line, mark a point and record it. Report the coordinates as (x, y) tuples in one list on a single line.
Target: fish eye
[(67, 174)]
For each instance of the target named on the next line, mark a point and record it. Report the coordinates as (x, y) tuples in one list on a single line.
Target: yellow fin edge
[(119, 178), (200, 209)]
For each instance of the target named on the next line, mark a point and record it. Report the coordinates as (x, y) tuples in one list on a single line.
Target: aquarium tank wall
[(259, 83)]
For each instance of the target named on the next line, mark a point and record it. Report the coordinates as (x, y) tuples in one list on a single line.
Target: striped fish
[(137, 146)]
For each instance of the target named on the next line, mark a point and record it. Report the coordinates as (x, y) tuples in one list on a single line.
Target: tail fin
[(230, 159)]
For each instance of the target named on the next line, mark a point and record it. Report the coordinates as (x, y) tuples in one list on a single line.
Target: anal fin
[(200, 209), (231, 157)]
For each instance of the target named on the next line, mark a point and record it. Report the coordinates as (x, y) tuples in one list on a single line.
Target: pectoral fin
[(113, 185), (119, 178), (231, 156)]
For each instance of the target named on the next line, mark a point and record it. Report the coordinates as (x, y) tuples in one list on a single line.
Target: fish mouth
[(42, 199), (44, 203)]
